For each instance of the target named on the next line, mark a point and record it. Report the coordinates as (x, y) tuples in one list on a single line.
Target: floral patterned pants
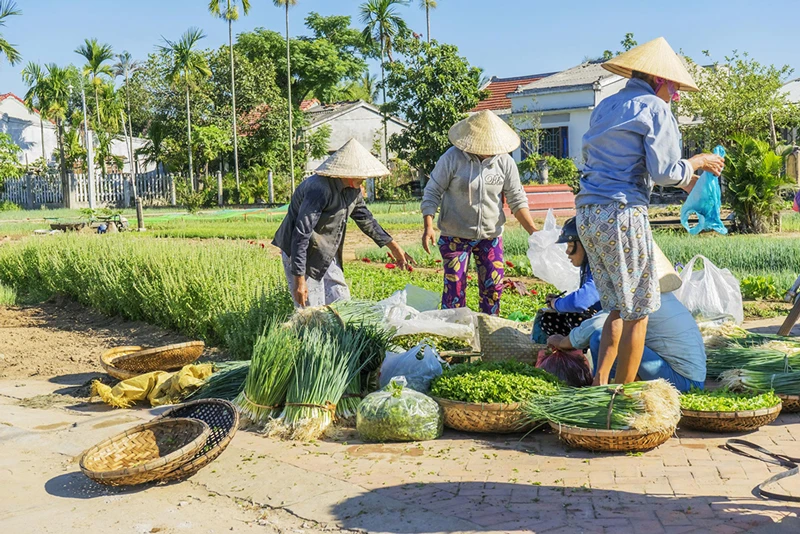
[(488, 254)]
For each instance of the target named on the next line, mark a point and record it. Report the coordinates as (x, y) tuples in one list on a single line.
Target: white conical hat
[(485, 134), (655, 58), (668, 279), (352, 161)]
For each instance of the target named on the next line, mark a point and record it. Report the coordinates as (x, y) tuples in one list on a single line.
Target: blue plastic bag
[(705, 201)]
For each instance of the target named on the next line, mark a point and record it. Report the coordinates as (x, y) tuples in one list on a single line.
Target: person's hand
[(708, 162), (550, 301), (428, 238), (600, 380), (555, 341), (300, 294)]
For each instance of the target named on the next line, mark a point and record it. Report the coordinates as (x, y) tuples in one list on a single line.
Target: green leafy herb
[(493, 382), (724, 400)]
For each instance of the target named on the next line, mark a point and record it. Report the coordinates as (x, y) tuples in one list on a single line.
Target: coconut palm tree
[(57, 91), (35, 78), (383, 25), (187, 63), (8, 8), (96, 55), (231, 13), (427, 5), (125, 67), (287, 4)]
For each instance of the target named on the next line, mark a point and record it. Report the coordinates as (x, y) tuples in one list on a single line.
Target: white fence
[(110, 190)]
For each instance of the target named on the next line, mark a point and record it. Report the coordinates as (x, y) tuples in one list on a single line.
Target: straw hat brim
[(352, 161), (655, 58), (485, 134), (668, 279)]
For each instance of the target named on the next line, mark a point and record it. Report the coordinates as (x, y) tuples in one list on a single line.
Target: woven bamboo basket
[(145, 453), (166, 358), (223, 420), (485, 418), (791, 403), (611, 440), (109, 357), (740, 421)]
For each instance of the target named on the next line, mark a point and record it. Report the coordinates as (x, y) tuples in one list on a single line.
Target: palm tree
[(125, 67), (35, 78), (57, 90), (231, 14), (96, 55), (287, 4), (427, 5), (383, 25), (187, 62), (8, 8)]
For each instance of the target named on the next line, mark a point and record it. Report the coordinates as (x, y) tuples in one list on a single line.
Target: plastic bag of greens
[(705, 202), (419, 366), (397, 413)]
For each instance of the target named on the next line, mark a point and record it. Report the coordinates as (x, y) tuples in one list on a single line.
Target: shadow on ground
[(479, 506), (76, 485)]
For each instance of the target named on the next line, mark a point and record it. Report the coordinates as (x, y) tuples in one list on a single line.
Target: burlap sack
[(502, 339)]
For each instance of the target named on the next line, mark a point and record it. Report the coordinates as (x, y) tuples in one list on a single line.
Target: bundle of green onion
[(749, 357), (645, 406), (760, 381), (326, 363), (226, 382), (271, 369)]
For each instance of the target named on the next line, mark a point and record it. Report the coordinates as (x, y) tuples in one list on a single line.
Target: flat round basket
[(223, 419), (611, 440), (167, 358), (109, 357), (791, 403), (145, 453), (740, 421), (479, 417)]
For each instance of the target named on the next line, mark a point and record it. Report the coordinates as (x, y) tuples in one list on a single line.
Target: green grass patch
[(8, 295)]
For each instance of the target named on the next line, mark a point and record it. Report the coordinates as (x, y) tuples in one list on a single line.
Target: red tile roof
[(500, 87), (12, 95), (305, 105)]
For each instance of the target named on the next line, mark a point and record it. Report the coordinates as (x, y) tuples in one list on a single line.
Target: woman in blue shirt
[(563, 313), (632, 142)]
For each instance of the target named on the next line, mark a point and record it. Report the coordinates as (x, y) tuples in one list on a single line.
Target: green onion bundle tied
[(760, 381), (645, 406), (226, 383), (270, 373)]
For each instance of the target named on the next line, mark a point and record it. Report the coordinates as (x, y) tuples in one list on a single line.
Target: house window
[(551, 142)]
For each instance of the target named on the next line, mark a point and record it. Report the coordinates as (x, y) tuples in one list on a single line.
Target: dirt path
[(61, 337)]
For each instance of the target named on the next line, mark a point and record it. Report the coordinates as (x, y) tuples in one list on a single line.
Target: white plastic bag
[(419, 366), (549, 261), (458, 323), (710, 293)]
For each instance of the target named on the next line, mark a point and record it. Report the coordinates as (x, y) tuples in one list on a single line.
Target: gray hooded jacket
[(470, 194)]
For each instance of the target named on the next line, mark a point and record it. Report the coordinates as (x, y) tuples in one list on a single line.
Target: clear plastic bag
[(710, 293), (549, 261), (419, 366), (398, 413), (705, 201)]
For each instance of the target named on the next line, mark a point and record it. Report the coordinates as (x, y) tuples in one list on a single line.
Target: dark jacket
[(312, 234)]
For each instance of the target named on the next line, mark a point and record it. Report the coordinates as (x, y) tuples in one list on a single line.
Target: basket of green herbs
[(723, 410), (486, 396)]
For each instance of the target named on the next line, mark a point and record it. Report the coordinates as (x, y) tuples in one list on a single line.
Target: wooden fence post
[(271, 188), (219, 188), (172, 196), (30, 198)]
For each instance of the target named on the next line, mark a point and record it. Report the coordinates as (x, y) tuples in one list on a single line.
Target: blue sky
[(505, 37)]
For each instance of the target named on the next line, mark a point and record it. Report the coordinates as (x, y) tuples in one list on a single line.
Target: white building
[(346, 120), (562, 103), (25, 128)]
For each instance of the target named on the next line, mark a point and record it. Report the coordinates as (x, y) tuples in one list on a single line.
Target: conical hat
[(655, 58), (352, 161), (485, 134), (668, 278)]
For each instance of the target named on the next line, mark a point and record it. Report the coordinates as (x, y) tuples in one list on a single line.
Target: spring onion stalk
[(756, 358), (645, 406), (227, 382)]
